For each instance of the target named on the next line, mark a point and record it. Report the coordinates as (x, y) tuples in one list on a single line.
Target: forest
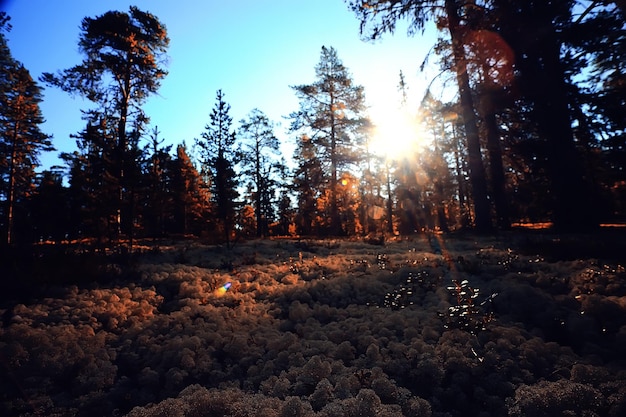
[(534, 135), (482, 274)]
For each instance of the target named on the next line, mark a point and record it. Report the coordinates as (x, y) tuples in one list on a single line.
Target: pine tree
[(331, 113), (219, 158), (123, 65), (260, 152), (21, 139)]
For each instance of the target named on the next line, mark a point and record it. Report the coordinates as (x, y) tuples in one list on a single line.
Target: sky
[(250, 49)]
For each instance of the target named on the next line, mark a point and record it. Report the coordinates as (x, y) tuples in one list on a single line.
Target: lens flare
[(222, 290)]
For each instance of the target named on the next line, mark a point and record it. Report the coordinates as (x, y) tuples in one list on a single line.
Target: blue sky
[(253, 50)]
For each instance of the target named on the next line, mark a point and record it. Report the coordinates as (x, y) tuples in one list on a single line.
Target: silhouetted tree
[(49, 208), (491, 63), (285, 215), (21, 139), (534, 30), (308, 180), (376, 181), (219, 158), (331, 112), (596, 57), (123, 65), (93, 182), (157, 200), (383, 15), (260, 165)]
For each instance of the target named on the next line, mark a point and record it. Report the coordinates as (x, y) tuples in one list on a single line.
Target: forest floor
[(524, 323)]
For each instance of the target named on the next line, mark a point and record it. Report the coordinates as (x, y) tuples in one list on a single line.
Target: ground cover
[(518, 324)]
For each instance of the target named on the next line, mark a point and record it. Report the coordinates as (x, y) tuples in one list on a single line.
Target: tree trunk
[(496, 167), (482, 215), (543, 83), (11, 191), (389, 201)]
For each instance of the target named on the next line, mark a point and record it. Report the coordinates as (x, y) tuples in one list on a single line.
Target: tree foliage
[(123, 65), (535, 133), (21, 138), (219, 158), (261, 166), (331, 114)]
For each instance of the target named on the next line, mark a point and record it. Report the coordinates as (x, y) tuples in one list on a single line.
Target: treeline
[(535, 134)]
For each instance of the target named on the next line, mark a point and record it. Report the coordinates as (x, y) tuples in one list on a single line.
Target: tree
[(308, 179), (383, 15), (219, 158), (331, 113), (93, 182), (48, 208), (190, 196), (260, 150), (534, 30), (123, 65), (157, 199), (21, 139)]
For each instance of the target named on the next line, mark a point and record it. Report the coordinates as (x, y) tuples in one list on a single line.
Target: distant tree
[(308, 180), (190, 196), (219, 158), (123, 65), (403, 88), (157, 199), (376, 182), (535, 30), (21, 139), (260, 165), (331, 113), (285, 215), (49, 208), (93, 182), (597, 60)]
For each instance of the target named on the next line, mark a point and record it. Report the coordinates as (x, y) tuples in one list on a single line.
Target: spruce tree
[(219, 158)]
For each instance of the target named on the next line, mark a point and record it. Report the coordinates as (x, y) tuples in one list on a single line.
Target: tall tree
[(534, 30), (21, 139), (331, 112), (219, 158), (123, 65), (384, 14), (261, 166)]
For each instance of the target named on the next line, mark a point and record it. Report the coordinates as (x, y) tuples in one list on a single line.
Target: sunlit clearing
[(396, 134), (222, 290)]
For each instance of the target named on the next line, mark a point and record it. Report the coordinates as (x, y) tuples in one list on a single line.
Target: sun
[(397, 133)]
